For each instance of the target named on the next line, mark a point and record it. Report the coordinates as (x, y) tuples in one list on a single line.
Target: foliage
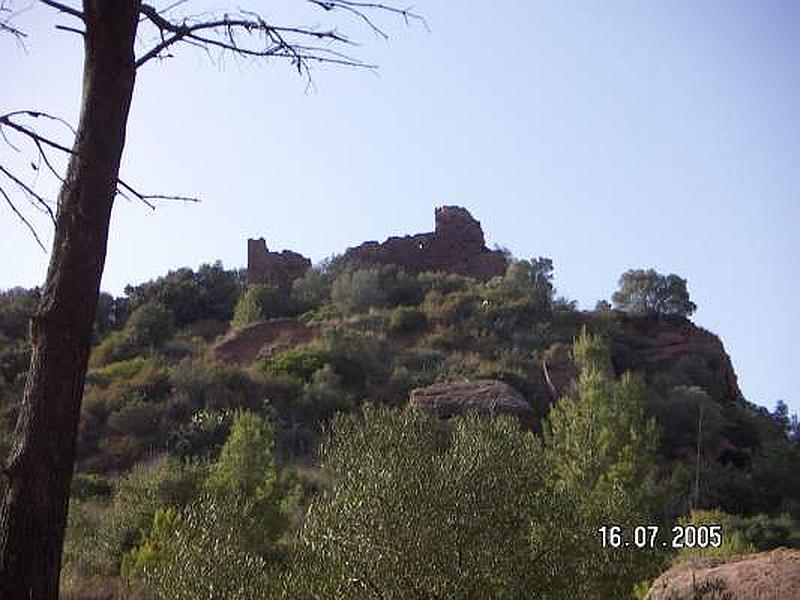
[(263, 301), (89, 485), (400, 288), (209, 293), (532, 278), (245, 466), (358, 290), (197, 553), (150, 325), (743, 535), (16, 308), (406, 319), (324, 395), (312, 290), (406, 496), (599, 449), (98, 537), (648, 292), (299, 362)]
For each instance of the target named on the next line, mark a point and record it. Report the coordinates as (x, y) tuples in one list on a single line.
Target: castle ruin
[(456, 245)]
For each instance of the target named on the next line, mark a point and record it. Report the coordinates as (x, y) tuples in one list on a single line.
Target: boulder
[(481, 396), (773, 574)]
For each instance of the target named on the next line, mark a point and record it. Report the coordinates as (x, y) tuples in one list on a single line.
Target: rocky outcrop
[(559, 369), (456, 246), (774, 574), (481, 396), (277, 268), (246, 344), (651, 345)]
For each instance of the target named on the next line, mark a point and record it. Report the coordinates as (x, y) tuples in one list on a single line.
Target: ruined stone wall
[(456, 246), (278, 268)]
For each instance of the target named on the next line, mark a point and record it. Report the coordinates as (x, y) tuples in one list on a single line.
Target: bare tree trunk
[(39, 468)]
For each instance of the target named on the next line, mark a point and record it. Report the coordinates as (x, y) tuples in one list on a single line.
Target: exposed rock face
[(774, 574), (481, 396), (456, 246), (651, 345), (278, 268), (246, 344), (559, 370)]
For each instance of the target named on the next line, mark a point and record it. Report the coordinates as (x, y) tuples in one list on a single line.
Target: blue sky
[(606, 135)]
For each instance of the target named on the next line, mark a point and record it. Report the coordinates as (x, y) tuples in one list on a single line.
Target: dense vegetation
[(303, 474)]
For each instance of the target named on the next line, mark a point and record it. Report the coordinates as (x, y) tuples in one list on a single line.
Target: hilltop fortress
[(456, 245)]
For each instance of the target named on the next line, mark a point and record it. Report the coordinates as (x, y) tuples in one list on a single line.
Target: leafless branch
[(6, 16), (64, 8), (43, 145), (146, 198), (22, 218), (250, 34)]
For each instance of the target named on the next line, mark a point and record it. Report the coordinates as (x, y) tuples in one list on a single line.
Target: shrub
[(399, 287), (407, 320), (142, 492), (406, 497), (358, 290), (324, 396), (90, 485), (261, 302), (117, 346), (295, 362), (312, 290), (214, 385), (121, 369), (149, 326), (137, 418)]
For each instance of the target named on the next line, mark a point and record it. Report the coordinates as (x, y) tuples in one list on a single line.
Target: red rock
[(481, 396), (246, 344), (774, 574)]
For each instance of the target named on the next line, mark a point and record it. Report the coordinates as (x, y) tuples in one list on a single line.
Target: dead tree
[(40, 465)]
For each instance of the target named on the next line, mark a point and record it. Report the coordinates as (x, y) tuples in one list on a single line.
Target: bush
[(119, 370), (214, 385), (324, 396), (358, 290), (149, 326), (137, 418), (117, 346), (399, 287), (90, 485), (406, 497), (295, 362), (407, 320), (312, 290), (261, 302)]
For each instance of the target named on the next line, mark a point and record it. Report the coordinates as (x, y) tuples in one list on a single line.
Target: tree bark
[(39, 468)]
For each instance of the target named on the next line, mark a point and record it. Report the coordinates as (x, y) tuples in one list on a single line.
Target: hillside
[(182, 362)]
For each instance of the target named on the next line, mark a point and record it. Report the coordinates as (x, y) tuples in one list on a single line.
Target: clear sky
[(605, 135)]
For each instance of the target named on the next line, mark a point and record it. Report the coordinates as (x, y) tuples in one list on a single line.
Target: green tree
[(263, 301), (418, 510), (149, 326), (312, 289), (246, 465), (598, 451), (357, 290), (650, 293), (532, 277), (39, 471)]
